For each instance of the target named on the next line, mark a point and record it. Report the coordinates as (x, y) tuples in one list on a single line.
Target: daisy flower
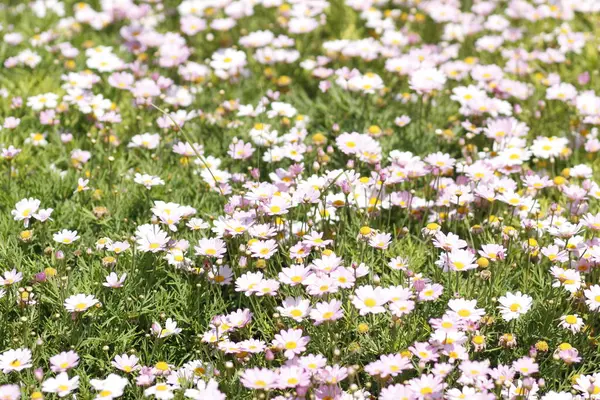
[(291, 341), (65, 236), (151, 238), (370, 300), (572, 322), (80, 302), (169, 329), (126, 363), (248, 282), (11, 277), (109, 388), (327, 311), (466, 309), (62, 385), (259, 378), (25, 209), (211, 248), (148, 180), (263, 248), (10, 392), (64, 361), (295, 307), (512, 306), (205, 390), (294, 275), (15, 360), (82, 185), (592, 297), (114, 281), (161, 391), (380, 241)]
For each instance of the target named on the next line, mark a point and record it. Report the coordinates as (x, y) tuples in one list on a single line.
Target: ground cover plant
[(309, 199)]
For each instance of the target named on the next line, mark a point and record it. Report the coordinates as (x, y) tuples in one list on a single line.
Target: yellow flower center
[(370, 302), (464, 313), (571, 319), (291, 345)]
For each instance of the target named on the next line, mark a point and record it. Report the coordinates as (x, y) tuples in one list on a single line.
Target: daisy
[(126, 363), (37, 139), (114, 281), (493, 252), (426, 80), (118, 247), (324, 392), (514, 305), (196, 224), (402, 121), (592, 297), (211, 248), (258, 378), (64, 361), (169, 329), (145, 140), (295, 307), (380, 241), (431, 292), (294, 275), (526, 366), (395, 392), (82, 185), (426, 386), (458, 260), (263, 248), (252, 346), (315, 239), (150, 238), (11, 277), (327, 311), (65, 236), (15, 360), (109, 388), (80, 302), (10, 392), (291, 341), (148, 180), (267, 287), (572, 322), (370, 300), (424, 350), (223, 275), (61, 385), (248, 282), (25, 209), (398, 263), (344, 277), (161, 391), (41, 101), (293, 376), (321, 285), (205, 390), (466, 309)]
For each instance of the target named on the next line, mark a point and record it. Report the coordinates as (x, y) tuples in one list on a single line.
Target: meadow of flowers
[(300, 199)]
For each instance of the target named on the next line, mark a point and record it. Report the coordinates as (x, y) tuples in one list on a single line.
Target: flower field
[(300, 199)]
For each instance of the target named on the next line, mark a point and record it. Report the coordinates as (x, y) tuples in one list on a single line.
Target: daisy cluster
[(293, 199)]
